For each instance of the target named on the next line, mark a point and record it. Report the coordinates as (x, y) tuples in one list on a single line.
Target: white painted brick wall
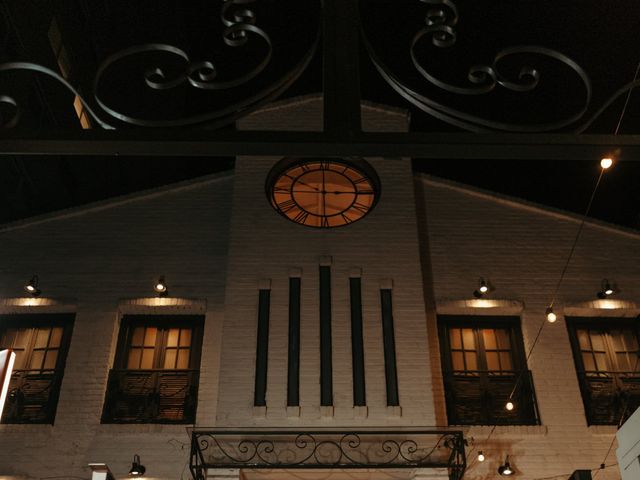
[(94, 259)]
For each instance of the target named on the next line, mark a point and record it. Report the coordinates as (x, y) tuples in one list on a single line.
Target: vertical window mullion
[(326, 376), (357, 343), (388, 336), (262, 348), (293, 367)]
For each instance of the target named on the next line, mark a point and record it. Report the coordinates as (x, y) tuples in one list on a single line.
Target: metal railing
[(151, 396), (32, 396), (479, 397), (313, 449), (609, 397)]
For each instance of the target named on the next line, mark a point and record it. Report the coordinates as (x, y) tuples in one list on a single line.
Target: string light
[(551, 316), (606, 163)]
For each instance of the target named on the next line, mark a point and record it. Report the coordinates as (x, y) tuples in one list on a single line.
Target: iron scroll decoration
[(323, 192), (440, 31), (327, 449), (240, 28)]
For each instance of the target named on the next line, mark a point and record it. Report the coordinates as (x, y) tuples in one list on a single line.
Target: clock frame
[(323, 192)]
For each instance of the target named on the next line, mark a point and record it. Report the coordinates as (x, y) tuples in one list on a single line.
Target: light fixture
[(505, 470), (551, 316), (161, 287), (509, 406), (483, 288), (606, 163), (481, 456), (31, 286), (137, 469), (606, 289)]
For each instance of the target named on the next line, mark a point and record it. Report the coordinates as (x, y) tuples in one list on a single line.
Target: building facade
[(267, 325)]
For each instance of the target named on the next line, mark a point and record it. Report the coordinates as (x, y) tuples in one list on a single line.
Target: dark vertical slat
[(357, 345), (260, 392), (293, 370), (326, 380), (390, 372)]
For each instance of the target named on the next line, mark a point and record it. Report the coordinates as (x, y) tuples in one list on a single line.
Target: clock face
[(323, 193)]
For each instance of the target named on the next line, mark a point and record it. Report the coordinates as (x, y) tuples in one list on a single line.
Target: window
[(483, 363), (155, 379), (41, 343), (607, 356)]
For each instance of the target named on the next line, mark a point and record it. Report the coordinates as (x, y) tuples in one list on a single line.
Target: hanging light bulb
[(606, 163), (481, 456), (510, 406), (551, 316)]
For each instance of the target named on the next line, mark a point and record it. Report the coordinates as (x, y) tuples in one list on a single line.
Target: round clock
[(321, 192)]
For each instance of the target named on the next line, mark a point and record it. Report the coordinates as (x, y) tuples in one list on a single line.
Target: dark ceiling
[(599, 37)]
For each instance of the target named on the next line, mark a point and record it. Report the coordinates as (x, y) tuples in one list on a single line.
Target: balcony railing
[(32, 396), (326, 449), (151, 396), (609, 397), (478, 397)]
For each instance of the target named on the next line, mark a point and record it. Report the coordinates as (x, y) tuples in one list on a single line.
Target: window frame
[(477, 323), (603, 324), (161, 322), (42, 320), (142, 403)]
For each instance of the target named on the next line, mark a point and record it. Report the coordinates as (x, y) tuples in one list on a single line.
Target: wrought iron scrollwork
[(326, 449), (440, 31), (239, 30)]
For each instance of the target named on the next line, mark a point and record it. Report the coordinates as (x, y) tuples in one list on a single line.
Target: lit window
[(40, 343), (484, 367), (606, 353), (155, 379)]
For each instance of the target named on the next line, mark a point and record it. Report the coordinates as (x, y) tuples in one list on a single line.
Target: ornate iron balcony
[(33, 396), (344, 449), (151, 396), (478, 397), (609, 397)]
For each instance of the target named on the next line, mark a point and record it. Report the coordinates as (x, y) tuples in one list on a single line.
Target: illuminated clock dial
[(323, 193)]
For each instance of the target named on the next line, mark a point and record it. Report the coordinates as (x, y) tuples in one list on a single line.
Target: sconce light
[(606, 289), (137, 469), (505, 470), (31, 286), (551, 316), (161, 287), (483, 288), (481, 456), (510, 405)]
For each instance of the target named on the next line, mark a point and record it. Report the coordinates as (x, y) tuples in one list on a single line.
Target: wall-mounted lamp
[(31, 287), (606, 289), (483, 288), (505, 470), (481, 456), (161, 287), (137, 469)]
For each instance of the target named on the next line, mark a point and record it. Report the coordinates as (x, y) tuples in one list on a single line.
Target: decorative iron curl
[(440, 22)]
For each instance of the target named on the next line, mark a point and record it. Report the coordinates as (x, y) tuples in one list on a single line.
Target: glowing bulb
[(608, 291), (484, 289), (30, 288), (480, 456), (606, 163), (509, 406), (551, 317), (160, 286)]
